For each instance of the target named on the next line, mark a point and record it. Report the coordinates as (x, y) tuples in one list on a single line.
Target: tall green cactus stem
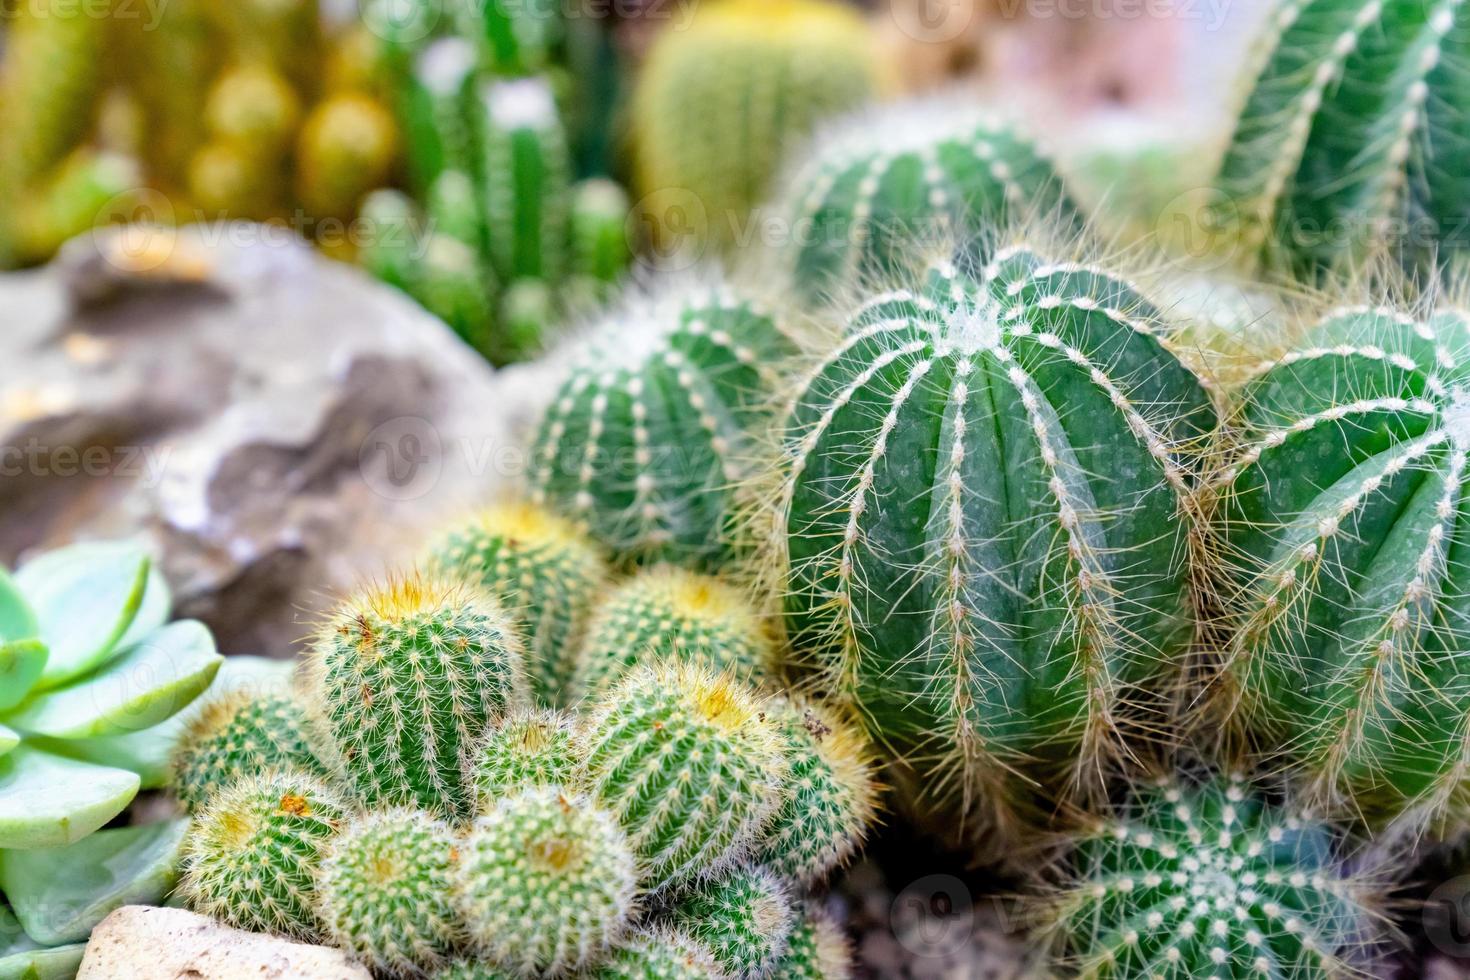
[(252, 854), (528, 309), (239, 735), (1340, 520), (453, 208), (1344, 146), (986, 520), (514, 37), (391, 247), (662, 954), (526, 169), (1208, 881), (530, 747), (670, 613), (817, 950), (744, 918), (884, 185), (406, 678), (382, 892), (647, 436), (831, 794), (548, 882), (452, 284), (689, 762), (433, 112), (546, 573), (719, 102), (599, 229)]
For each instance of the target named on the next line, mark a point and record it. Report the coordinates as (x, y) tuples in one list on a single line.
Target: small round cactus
[(817, 950), (530, 747), (254, 105), (669, 613), (547, 882), (239, 735), (689, 762), (382, 892), (346, 148), (405, 680), (744, 918), (252, 854), (1208, 881), (662, 954), (831, 794), (648, 435), (472, 970), (450, 282), (546, 574)]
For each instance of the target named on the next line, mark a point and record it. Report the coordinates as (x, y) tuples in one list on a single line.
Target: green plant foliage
[(744, 918)]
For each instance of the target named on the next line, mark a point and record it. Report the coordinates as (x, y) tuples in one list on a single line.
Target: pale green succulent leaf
[(61, 893), (22, 958), (21, 664), (47, 800), (9, 739), (17, 620)]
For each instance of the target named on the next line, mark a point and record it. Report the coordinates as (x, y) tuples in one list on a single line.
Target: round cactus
[(660, 955), (647, 436), (528, 748), (382, 892), (690, 764), (831, 794), (883, 184), (405, 681), (346, 148), (817, 950), (451, 284), (548, 882), (239, 735), (453, 209), (1207, 881), (252, 853), (1041, 589), (252, 104), (391, 238), (1341, 148), (669, 613), (744, 918), (599, 219), (527, 174), (545, 572), (1338, 521), (472, 970)]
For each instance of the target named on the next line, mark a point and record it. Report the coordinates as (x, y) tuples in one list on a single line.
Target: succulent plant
[(599, 235), (452, 208), (451, 284), (1037, 593), (689, 763), (471, 969), (831, 793), (405, 679), (744, 918), (1208, 881), (252, 855), (668, 613), (346, 148), (662, 954), (382, 891), (69, 200), (547, 882), (719, 101), (817, 949), (1343, 147), (650, 431), (239, 734), (515, 37), (433, 111), (543, 569), (530, 747), (253, 104), (392, 244), (528, 309), (885, 185)]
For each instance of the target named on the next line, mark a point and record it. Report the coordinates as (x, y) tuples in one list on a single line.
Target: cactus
[(544, 571), (528, 308), (226, 182), (719, 101), (472, 970), (882, 185), (662, 954), (689, 763), (236, 735), (432, 111), (515, 37), (817, 950), (986, 521), (831, 795), (253, 853), (452, 285), (253, 105), (405, 679), (669, 613), (527, 748), (80, 190), (547, 883), (744, 918), (599, 217), (1208, 881), (346, 148), (649, 433), (382, 892), (391, 246), (1337, 523), (453, 210), (1342, 147)]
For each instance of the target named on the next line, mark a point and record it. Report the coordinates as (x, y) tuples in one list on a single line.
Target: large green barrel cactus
[(985, 518), (1209, 881), (526, 173), (1341, 519), (1351, 139), (650, 431), (883, 186)]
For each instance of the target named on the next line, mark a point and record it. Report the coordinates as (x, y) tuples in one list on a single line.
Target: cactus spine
[(528, 748), (646, 437), (406, 679), (818, 950), (1041, 588), (253, 852), (660, 955), (689, 763), (744, 918), (548, 882), (235, 736), (669, 613)]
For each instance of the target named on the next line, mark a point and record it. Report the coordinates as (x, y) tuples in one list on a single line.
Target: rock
[(278, 425), (173, 944)]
